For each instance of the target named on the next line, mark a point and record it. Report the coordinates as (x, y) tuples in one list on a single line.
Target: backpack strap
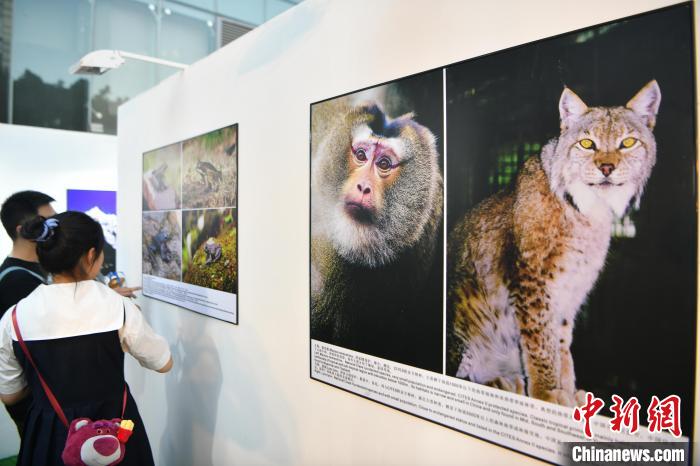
[(49, 394), (15, 268)]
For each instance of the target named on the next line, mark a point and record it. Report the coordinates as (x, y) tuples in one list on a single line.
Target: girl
[(76, 330)]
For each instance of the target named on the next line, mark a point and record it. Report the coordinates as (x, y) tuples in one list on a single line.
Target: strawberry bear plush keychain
[(96, 443)]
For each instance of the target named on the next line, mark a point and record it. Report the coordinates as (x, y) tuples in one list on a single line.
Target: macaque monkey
[(376, 220)]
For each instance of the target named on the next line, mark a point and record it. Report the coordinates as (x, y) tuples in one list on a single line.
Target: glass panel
[(248, 11), (129, 26), (47, 38), (209, 5), (187, 35), (5, 44), (275, 7)]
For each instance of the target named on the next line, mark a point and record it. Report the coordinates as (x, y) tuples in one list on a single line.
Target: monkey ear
[(370, 108), (374, 116), (646, 103), (570, 108), (406, 116)]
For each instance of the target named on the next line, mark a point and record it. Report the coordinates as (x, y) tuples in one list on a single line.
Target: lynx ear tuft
[(646, 103), (570, 107)]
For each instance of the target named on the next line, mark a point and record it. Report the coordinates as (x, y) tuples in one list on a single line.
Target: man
[(21, 273)]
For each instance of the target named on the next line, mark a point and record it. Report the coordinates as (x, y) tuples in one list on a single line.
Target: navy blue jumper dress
[(77, 335)]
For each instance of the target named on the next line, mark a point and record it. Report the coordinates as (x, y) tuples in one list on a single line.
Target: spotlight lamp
[(101, 61)]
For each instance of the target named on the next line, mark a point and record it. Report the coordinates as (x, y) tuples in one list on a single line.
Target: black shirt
[(14, 287), (17, 285)]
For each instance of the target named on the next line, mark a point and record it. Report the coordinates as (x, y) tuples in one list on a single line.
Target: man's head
[(23, 206)]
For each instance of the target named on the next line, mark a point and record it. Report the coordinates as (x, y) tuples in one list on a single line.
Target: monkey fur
[(377, 203)]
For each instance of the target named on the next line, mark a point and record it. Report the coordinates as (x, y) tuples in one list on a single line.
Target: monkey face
[(373, 166), (378, 186)]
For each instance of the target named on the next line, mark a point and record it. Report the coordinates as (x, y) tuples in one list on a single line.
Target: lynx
[(523, 262)]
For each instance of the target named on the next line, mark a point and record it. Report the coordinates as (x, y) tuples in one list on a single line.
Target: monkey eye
[(361, 155), (384, 164)]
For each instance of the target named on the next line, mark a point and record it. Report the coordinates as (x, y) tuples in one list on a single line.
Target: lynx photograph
[(376, 221), (571, 219)]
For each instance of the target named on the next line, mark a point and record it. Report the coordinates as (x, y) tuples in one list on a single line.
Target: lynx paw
[(514, 385), (558, 396)]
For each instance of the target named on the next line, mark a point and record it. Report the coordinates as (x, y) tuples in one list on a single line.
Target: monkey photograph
[(209, 169), (571, 215), (376, 221)]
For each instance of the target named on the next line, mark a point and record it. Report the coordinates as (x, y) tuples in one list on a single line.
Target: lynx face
[(604, 155)]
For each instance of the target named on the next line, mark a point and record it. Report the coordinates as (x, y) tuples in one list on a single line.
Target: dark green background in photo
[(635, 336)]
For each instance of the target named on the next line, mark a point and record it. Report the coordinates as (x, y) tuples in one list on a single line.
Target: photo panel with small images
[(162, 178), (193, 264), (209, 169), (376, 221), (209, 249)]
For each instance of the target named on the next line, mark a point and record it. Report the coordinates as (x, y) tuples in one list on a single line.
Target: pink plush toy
[(93, 443)]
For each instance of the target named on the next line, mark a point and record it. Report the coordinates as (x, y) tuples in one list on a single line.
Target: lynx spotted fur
[(523, 262)]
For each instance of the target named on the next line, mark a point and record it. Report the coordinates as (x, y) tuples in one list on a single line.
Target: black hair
[(60, 247), (21, 207)]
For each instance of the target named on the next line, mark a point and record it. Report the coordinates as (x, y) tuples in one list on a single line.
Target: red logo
[(626, 415), (587, 411), (665, 415), (662, 414)]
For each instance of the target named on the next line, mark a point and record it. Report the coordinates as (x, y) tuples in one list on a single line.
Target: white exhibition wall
[(50, 161), (242, 394)]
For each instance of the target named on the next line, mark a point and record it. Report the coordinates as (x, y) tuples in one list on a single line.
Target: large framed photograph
[(190, 224), (503, 244)]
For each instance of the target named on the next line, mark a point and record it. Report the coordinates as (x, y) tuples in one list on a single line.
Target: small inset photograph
[(209, 249), (161, 178), (161, 242), (210, 165)]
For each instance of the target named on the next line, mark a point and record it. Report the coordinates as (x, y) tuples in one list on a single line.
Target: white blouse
[(69, 310)]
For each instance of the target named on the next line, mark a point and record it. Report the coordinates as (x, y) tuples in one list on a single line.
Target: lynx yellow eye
[(628, 142), (587, 144)]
